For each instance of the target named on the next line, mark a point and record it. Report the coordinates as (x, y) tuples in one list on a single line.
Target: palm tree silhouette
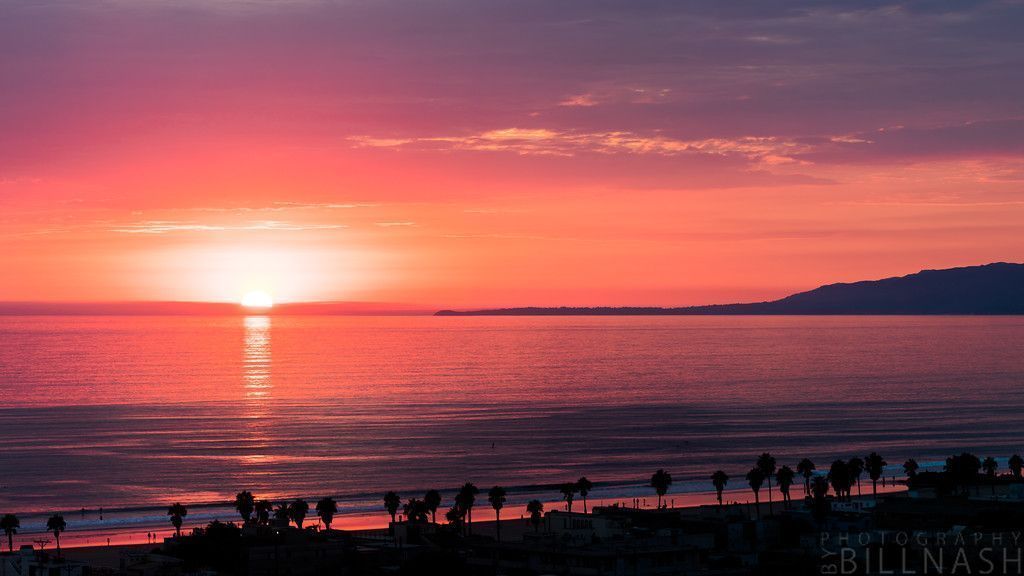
[(583, 486), (245, 503), (391, 503), (660, 481), (536, 510), (177, 512), (465, 500), (415, 510), (10, 524), (875, 465), (283, 514), (839, 477), (1015, 464), (56, 524), (433, 501), (455, 516), (326, 508), (766, 462), (756, 478), (806, 469), (263, 509), (990, 466), (785, 477), (910, 468), (856, 466), (819, 491), (963, 470), (568, 491), (719, 479), (496, 496), (297, 511)]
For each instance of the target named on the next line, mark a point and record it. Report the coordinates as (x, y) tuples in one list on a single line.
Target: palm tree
[(583, 486), (391, 503), (283, 514), (806, 469), (568, 491), (1015, 464), (455, 516), (297, 511), (245, 503), (326, 508), (433, 501), (496, 496), (963, 470), (10, 524), (719, 479), (536, 510), (839, 477), (990, 466), (785, 477), (756, 478), (875, 465), (856, 466), (56, 524), (819, 491), (263, 509), (465, 499), (766, 462), (415, 510), (910, 468), (177, 512), (660, 481)]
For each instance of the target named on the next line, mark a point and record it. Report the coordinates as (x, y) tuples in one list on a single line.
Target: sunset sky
[(478, 153)]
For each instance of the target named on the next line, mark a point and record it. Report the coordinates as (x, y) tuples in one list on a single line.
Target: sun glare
[(257, 300)]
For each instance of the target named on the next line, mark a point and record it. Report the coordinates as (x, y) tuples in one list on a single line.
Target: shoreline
[(135, 534)]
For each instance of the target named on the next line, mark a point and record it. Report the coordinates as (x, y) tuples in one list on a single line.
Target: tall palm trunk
[(757, 505), (770, 510), (57, 536), (497, 523)]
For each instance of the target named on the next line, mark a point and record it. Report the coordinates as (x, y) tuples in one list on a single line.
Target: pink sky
[(494, 154)]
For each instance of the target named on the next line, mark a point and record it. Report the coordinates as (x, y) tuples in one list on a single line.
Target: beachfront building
[(30, 562)]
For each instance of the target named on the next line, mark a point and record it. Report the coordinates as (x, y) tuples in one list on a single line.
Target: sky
[(466, 153)]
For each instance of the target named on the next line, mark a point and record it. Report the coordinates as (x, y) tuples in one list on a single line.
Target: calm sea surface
[(127, 413)]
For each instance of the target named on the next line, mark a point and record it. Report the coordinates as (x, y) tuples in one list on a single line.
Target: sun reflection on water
[(257, 359)]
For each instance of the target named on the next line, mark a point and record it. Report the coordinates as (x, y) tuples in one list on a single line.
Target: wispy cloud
[(394, 224), (584, 100), (282, 206), (544, 141), (173, 226)]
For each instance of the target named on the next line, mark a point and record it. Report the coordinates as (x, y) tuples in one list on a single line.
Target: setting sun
[(257, 300)]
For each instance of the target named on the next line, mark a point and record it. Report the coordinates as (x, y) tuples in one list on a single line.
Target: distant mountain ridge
[(996, 288)]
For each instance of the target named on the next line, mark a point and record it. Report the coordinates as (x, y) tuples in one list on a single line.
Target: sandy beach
[(140, 535)]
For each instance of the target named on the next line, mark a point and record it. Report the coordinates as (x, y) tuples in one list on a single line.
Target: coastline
[(127, 535)]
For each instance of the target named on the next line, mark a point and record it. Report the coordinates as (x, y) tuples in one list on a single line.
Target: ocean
[(133, 413)]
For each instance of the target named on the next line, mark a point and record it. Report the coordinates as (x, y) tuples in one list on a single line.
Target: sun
[(257, 299)]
